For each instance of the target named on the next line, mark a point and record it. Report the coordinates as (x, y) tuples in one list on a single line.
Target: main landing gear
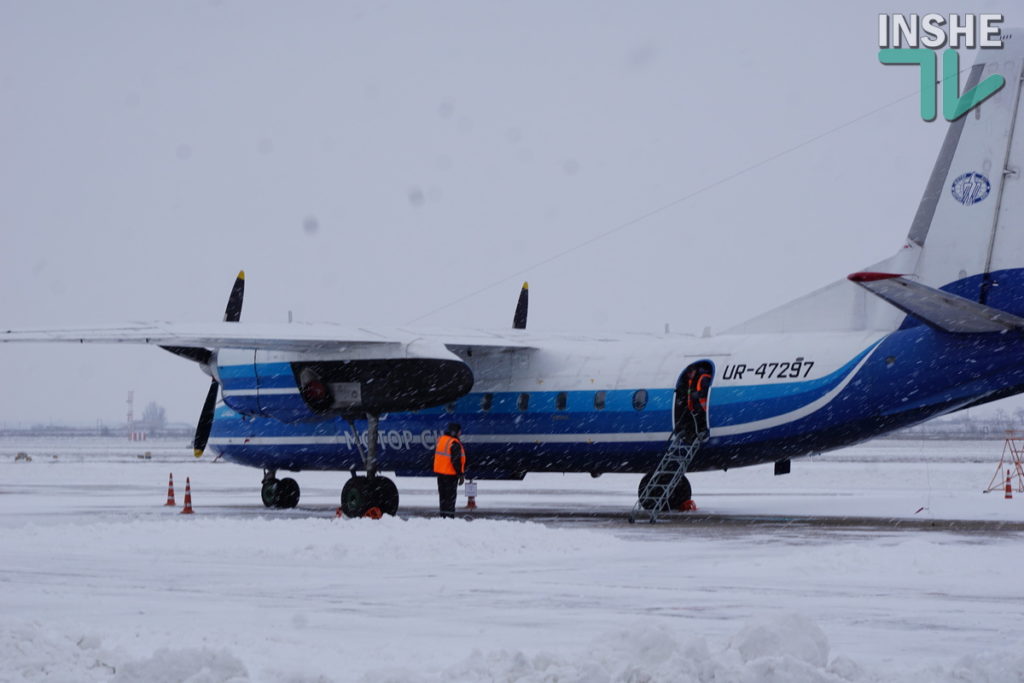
[(370, 495), (679, 495)]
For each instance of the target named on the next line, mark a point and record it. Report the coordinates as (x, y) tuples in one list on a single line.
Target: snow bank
[(790, 649), (189, 665), (31, 652), (785, 649)]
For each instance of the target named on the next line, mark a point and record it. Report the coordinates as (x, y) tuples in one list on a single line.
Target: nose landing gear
[(279, 493)]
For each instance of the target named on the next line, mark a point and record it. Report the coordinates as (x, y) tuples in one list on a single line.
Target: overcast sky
[(370, 162)]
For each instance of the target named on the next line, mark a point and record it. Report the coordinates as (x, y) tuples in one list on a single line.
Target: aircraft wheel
[(287, 493), (682, 492), (356, 497), (385, 495), (269, 493)]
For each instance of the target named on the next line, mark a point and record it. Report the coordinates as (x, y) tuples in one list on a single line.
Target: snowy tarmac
[(879, 562)]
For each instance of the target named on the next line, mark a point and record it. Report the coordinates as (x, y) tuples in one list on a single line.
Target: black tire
[(385, 495), (287, 493), (355, 497), (682, 493), (269, 493)]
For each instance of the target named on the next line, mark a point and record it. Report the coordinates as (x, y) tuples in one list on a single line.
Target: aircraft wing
[(243, 335), (941, 310)]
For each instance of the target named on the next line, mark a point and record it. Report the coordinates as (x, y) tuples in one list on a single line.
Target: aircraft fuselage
[(609, 405)]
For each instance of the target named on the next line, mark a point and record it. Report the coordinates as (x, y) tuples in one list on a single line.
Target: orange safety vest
[(696, 388), (443, 456)]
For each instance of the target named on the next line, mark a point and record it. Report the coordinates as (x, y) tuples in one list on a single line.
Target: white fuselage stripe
[(630, 437), (264, 392)]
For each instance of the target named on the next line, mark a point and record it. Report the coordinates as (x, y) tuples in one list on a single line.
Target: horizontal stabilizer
[(941, 310)]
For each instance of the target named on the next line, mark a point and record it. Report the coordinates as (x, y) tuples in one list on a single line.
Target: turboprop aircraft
[(936, 328)]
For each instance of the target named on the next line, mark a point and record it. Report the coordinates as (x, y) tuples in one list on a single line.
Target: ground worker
[(698, 381), (450, 467)]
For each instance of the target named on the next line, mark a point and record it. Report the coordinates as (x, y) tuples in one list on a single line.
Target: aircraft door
[(690, 407)]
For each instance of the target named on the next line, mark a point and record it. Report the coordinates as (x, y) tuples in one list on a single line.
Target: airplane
[(936, 328)]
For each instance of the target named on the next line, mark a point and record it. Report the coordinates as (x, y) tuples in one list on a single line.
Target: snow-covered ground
[(100, 582)]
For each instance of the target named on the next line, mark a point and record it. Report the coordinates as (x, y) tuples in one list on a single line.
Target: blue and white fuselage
[(577, 405)]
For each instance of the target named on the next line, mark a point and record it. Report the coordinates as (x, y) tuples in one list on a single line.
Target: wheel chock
[(688, 506), (374, 513)]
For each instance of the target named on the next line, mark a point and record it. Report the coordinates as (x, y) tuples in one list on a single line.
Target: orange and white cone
[(187, 510), (170, 490), (471, 495), (1009, 487)]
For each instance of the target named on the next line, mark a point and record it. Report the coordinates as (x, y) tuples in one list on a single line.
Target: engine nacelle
[(349, 382)]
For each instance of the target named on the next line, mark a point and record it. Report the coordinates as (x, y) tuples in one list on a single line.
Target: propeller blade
[(519, 319), (233, 313), (205, 420)]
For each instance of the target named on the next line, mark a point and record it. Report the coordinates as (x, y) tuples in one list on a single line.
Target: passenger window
[(600, 397), (486, 401), (639, 399), (523, 402), (561, 400)]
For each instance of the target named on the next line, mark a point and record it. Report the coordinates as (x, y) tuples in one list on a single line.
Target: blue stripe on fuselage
[(738, 405)]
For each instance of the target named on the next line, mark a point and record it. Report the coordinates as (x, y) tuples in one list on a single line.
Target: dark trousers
[(447, 491)]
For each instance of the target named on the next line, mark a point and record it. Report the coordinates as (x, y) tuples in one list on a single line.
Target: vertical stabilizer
[(967, 236), (969, 223)]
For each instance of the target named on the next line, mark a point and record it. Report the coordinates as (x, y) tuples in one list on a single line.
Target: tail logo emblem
[(970, 188)]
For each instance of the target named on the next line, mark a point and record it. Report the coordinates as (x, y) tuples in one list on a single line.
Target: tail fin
[(970, 223), (967, 236)]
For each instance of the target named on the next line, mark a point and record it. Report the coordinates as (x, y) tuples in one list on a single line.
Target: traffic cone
[(170, 490), (1009, 487), (471, 495), (187, 510)]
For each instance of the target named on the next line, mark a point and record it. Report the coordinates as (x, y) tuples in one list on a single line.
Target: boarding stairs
[(670, 471)]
